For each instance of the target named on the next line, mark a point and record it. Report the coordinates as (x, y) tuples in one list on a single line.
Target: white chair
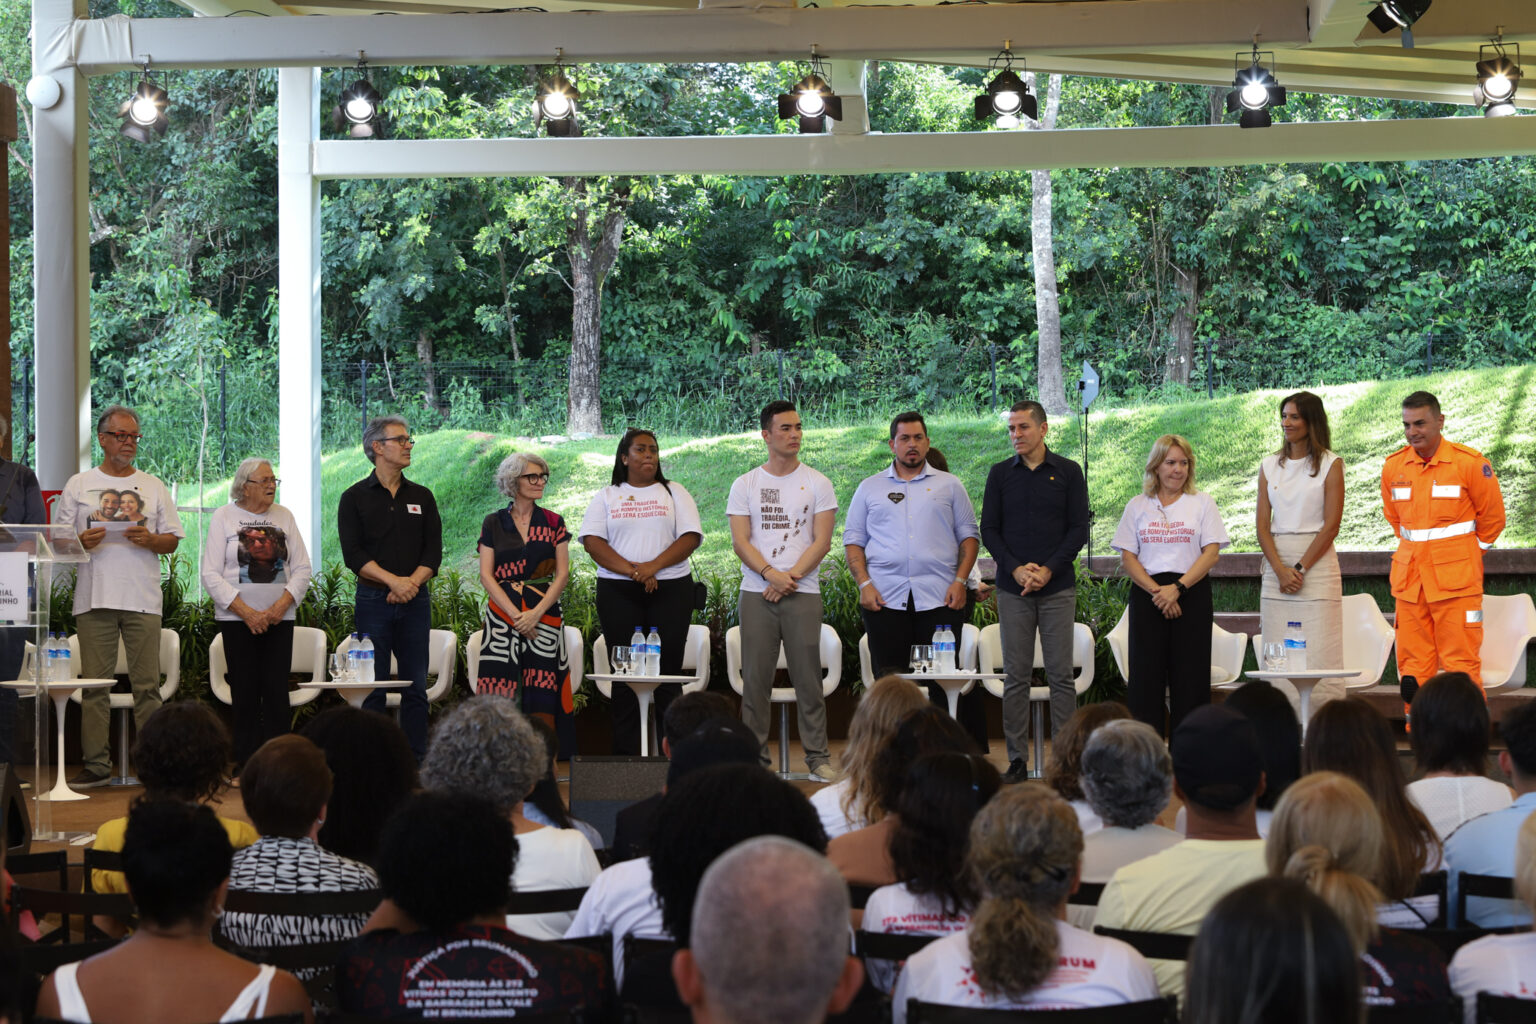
[(965, 656), (309, 646), (990, 655), (442, 660), (695, 662), (1509, 625), (784, 696), (122, 703), (1226, 650), (1367, 641), (572, 645)]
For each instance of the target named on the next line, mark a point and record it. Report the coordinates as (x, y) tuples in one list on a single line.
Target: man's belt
[(1439, 532)]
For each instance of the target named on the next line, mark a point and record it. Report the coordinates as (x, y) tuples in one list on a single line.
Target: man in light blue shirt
[(1486, 844), (911, 539)]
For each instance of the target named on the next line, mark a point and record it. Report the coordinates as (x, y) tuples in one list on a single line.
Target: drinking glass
[(621, 659), (915, 658), (340, 671), (1275, 657), (926, 655)]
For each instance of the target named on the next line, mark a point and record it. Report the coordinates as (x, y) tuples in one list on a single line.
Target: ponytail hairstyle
[(1025, 852), (1327, 834)]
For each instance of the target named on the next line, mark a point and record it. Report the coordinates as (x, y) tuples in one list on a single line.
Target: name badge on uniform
[(1445, 491), (1402, 493), (414, 510)]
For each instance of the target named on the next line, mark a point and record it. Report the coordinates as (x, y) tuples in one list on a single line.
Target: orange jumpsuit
[(1445, 512)]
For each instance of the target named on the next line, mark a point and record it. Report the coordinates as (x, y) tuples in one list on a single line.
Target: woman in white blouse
[(640, 531), (1169, 538), (256, 569), (1301, 503)]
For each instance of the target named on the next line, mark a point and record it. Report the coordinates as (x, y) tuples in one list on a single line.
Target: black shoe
[(1017, 772), (87, 779)]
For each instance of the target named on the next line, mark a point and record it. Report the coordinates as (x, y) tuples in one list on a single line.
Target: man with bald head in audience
[(797, 970)]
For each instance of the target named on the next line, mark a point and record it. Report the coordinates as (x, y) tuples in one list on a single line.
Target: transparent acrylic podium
[(29, 556)]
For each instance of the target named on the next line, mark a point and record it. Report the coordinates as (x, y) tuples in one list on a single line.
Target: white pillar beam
[(298, 300), (61, 254), (849, 79)]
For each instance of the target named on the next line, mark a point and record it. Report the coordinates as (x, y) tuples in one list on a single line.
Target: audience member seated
[(439, 939), (621, 901), (632, 825), (1450, 746), (1352, 738), (285, 785), (181, 754), (1271, 952), (1274, 719), (544, 805), (1063, 769), (373, 771), (1127, 776), (1503, 964), (796, 968), (1217, 773), (864, 855), (176, 857), (486, 746), (1327, 834), (1486, 845), (851, 802), (933, 894), (1018, 950)]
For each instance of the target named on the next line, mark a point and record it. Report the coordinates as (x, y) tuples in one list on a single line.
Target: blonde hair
[(1525, 862), (1327, 833), (1155, 458), (1025, 850), (880, 711)]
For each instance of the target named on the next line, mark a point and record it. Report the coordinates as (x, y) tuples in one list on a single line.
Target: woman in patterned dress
[(524, 566)]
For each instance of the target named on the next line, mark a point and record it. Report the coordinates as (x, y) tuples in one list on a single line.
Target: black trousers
[(621, 606), (893, 631), (258, 683), (1169, 656)]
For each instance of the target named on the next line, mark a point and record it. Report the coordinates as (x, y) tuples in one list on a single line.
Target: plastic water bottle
[(66, 659), (637, 658), (365, 659), (1295, 647), (653, 653), (51, 659), (937, 643), (949, 649), (355, 658)]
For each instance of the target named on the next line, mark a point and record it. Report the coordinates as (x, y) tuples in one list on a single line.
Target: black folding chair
[(545, 901), (49, 865), (1087, 894), (648, 984), (1153, 945), (1149, 1011), (858, 895), (888, 945), (84, 905), (1492, 886), (100, 860), (1432, 883), (1492, 1009)]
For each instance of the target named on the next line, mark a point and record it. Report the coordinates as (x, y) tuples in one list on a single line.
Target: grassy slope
[(1491, 410)]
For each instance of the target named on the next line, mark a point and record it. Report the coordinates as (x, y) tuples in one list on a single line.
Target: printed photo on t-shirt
[(115, 505), (262, 554)]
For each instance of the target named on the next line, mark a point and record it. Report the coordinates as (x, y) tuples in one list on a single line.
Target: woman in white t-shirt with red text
[(1018, 952), (640, 531), (1169, 538)]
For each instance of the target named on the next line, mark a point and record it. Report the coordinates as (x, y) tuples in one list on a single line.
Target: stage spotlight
[(143, 113), (1498, 76), (1254, 91), (357, 113), (811, 100), (1007, 96), (1401, 14), (555, 106)]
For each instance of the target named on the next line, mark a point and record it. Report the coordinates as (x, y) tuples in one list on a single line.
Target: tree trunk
[(1050, 380), (1181, 341), (592, 257), (428, 371)]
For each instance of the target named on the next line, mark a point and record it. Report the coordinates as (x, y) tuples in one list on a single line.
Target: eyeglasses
[(274, 481), (535, 478), (123, 437), (402, 439)]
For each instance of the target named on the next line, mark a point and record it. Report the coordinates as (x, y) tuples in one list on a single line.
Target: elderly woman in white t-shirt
[(1169, 538), (640, 531)]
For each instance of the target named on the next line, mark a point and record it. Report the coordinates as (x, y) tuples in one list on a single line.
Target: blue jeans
[(400, 630)]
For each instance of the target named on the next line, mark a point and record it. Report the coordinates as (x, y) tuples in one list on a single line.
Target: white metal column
[(298, 300), (61, 254)]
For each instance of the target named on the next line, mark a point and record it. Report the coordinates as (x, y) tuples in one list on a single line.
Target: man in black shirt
[(1034, 521), (392, 538)]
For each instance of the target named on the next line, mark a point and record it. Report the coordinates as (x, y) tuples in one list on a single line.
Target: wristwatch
[(1298, 567), (1181, 586)]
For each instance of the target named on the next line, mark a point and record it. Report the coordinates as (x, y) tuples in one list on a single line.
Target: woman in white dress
[(1301, 503)]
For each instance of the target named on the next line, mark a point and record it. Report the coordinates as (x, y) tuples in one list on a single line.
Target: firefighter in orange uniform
[(1444, 504)]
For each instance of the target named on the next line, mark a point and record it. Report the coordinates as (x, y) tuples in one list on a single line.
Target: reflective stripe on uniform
[(1474, 615), (1439, 532)]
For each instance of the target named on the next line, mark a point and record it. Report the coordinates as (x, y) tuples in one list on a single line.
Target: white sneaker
[(825, 773)]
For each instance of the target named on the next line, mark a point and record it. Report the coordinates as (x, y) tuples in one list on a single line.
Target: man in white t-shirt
[(126, 520), (782, 514)]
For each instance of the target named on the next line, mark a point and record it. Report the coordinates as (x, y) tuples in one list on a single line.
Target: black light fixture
[(811, 100), (1254, 90), (1400, 14), (1498, 76), (357, 113), (1007, 96), (143, 113), (554, 106)]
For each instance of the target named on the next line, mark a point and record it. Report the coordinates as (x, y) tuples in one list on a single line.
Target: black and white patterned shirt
[(279, 864)]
